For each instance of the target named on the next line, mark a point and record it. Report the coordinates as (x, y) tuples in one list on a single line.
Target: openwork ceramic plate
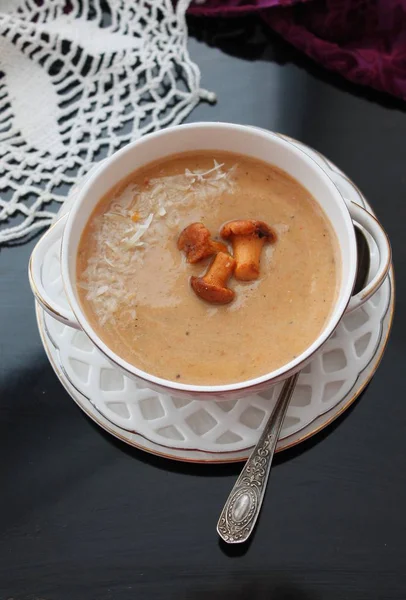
[(219, 432)]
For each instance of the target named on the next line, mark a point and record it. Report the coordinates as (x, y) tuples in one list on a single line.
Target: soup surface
[(134, 283)]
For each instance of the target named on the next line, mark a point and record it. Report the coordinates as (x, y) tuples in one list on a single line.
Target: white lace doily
[(79, 79)]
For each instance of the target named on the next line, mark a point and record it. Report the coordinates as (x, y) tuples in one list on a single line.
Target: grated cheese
[(141, 228), (135, 219)]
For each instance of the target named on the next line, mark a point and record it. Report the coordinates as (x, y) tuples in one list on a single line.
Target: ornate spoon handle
[(240, 512)]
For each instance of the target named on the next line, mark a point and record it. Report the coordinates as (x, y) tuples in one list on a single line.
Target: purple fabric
[(364, 40), (227, 7)]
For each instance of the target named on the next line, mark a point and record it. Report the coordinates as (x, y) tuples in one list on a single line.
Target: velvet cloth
[(363, 40)]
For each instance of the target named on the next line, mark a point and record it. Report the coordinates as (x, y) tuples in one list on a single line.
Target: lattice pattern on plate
[(212, 426), (228, 425)]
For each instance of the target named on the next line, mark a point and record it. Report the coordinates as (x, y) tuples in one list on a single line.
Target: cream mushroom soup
[(134, 282)]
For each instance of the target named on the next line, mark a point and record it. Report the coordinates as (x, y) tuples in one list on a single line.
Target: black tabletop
[(84, 516)]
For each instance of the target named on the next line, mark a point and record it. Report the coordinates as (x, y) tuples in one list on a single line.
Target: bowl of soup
[(209, 260)]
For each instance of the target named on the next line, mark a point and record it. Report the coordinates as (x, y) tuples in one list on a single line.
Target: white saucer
[(220, 432)]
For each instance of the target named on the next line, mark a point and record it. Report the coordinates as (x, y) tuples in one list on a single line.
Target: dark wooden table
[(85, 517)]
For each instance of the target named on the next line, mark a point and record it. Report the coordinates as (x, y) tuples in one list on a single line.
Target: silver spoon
[(241, 511)]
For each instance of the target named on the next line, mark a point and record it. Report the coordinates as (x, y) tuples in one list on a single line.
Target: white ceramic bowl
[(252, 142)]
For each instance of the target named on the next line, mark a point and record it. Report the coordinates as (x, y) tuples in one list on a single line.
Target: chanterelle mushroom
[(195, 240), (247, 238), (213, 286)]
